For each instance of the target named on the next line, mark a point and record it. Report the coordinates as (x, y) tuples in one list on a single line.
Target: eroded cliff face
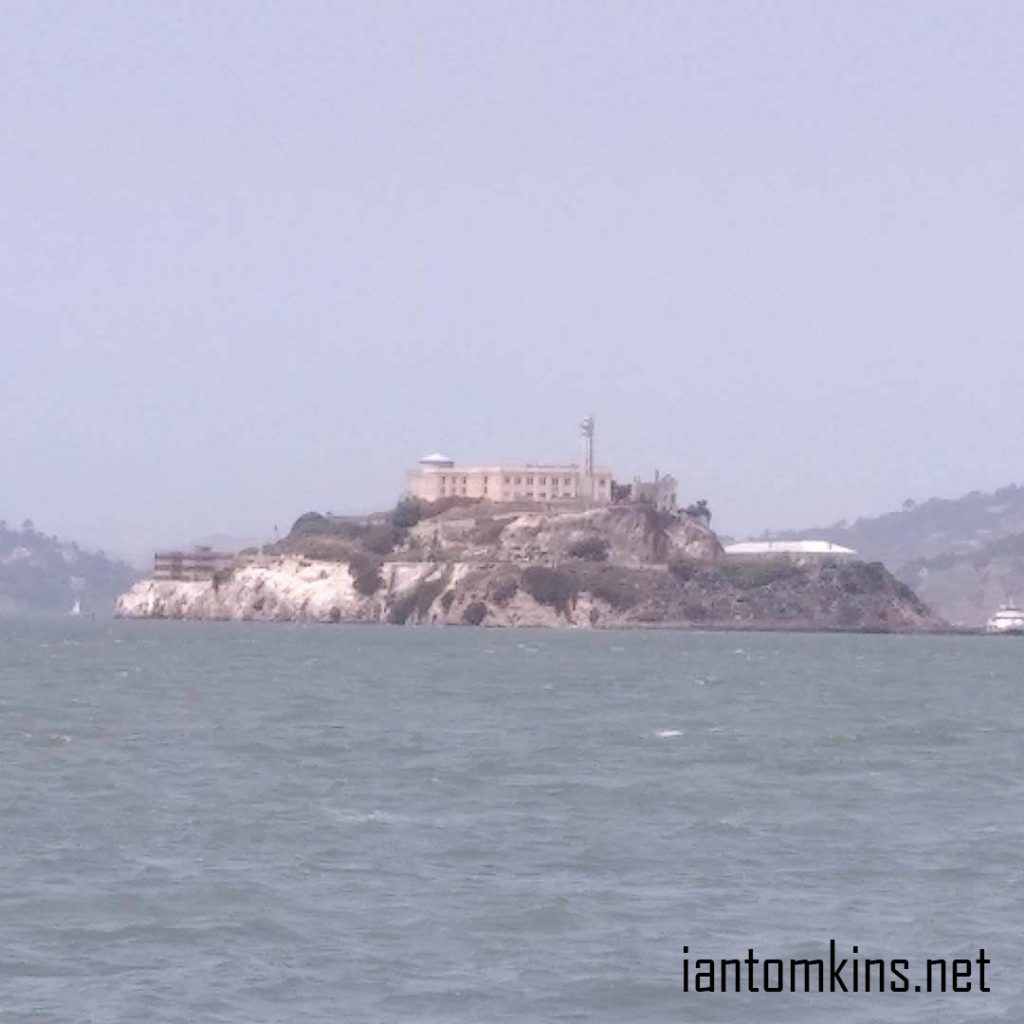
[(283, 589), (629, 536), (601, 568)]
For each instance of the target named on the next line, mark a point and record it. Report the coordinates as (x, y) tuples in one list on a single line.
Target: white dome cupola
[(437, 461)]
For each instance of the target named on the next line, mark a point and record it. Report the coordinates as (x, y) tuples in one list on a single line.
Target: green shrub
[(309, 522), (430, 509), (407, 513), (364, 568), (758, 573), (861, 576), (313, 524), (848, 614), (683, 568), (696, 612), (590, 549), (326, 549), (616, 591), (549, 586), (475, 613), (699, 510), (612, 584), (503, 590), (381, 538), (488, 531)]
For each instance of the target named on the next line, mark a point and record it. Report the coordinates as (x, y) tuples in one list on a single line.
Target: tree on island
[(407, 513), (699, 510)]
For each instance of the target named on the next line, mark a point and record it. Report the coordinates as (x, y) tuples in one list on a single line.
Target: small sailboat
[(76, 608)]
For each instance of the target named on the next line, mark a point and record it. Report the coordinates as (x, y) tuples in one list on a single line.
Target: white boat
[(1009, 619), (76, 608)]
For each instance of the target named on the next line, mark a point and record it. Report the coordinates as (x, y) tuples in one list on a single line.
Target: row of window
[(455, 481), (457, 485)]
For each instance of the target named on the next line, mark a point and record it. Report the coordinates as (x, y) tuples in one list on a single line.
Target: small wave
[(664, 734), (352, 817)]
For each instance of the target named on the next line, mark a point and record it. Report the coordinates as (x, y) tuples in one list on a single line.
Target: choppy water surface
[(247, 823)]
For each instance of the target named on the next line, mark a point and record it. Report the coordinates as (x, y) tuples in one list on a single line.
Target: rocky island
[(470, 561)]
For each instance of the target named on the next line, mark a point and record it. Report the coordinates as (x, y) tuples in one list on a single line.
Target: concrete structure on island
[(795, 549), (202, 563), (438, 476), (507, 481), (659, 492)]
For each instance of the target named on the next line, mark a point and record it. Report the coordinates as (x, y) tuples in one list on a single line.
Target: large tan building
[(438, 476)]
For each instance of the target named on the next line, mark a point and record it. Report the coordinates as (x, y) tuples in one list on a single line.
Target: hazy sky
[(258, 258)]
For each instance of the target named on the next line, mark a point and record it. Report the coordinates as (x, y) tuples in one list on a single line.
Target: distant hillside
[(964, 556), (43, 574), (969, 587), (939, 526)]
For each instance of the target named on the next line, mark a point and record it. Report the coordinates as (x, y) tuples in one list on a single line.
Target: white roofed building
[(437, 461), (789, 549)]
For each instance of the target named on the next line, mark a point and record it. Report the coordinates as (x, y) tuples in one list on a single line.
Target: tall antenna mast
[(587, 481)]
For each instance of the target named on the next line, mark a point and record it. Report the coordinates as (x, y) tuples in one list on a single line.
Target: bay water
[(234, 822)]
